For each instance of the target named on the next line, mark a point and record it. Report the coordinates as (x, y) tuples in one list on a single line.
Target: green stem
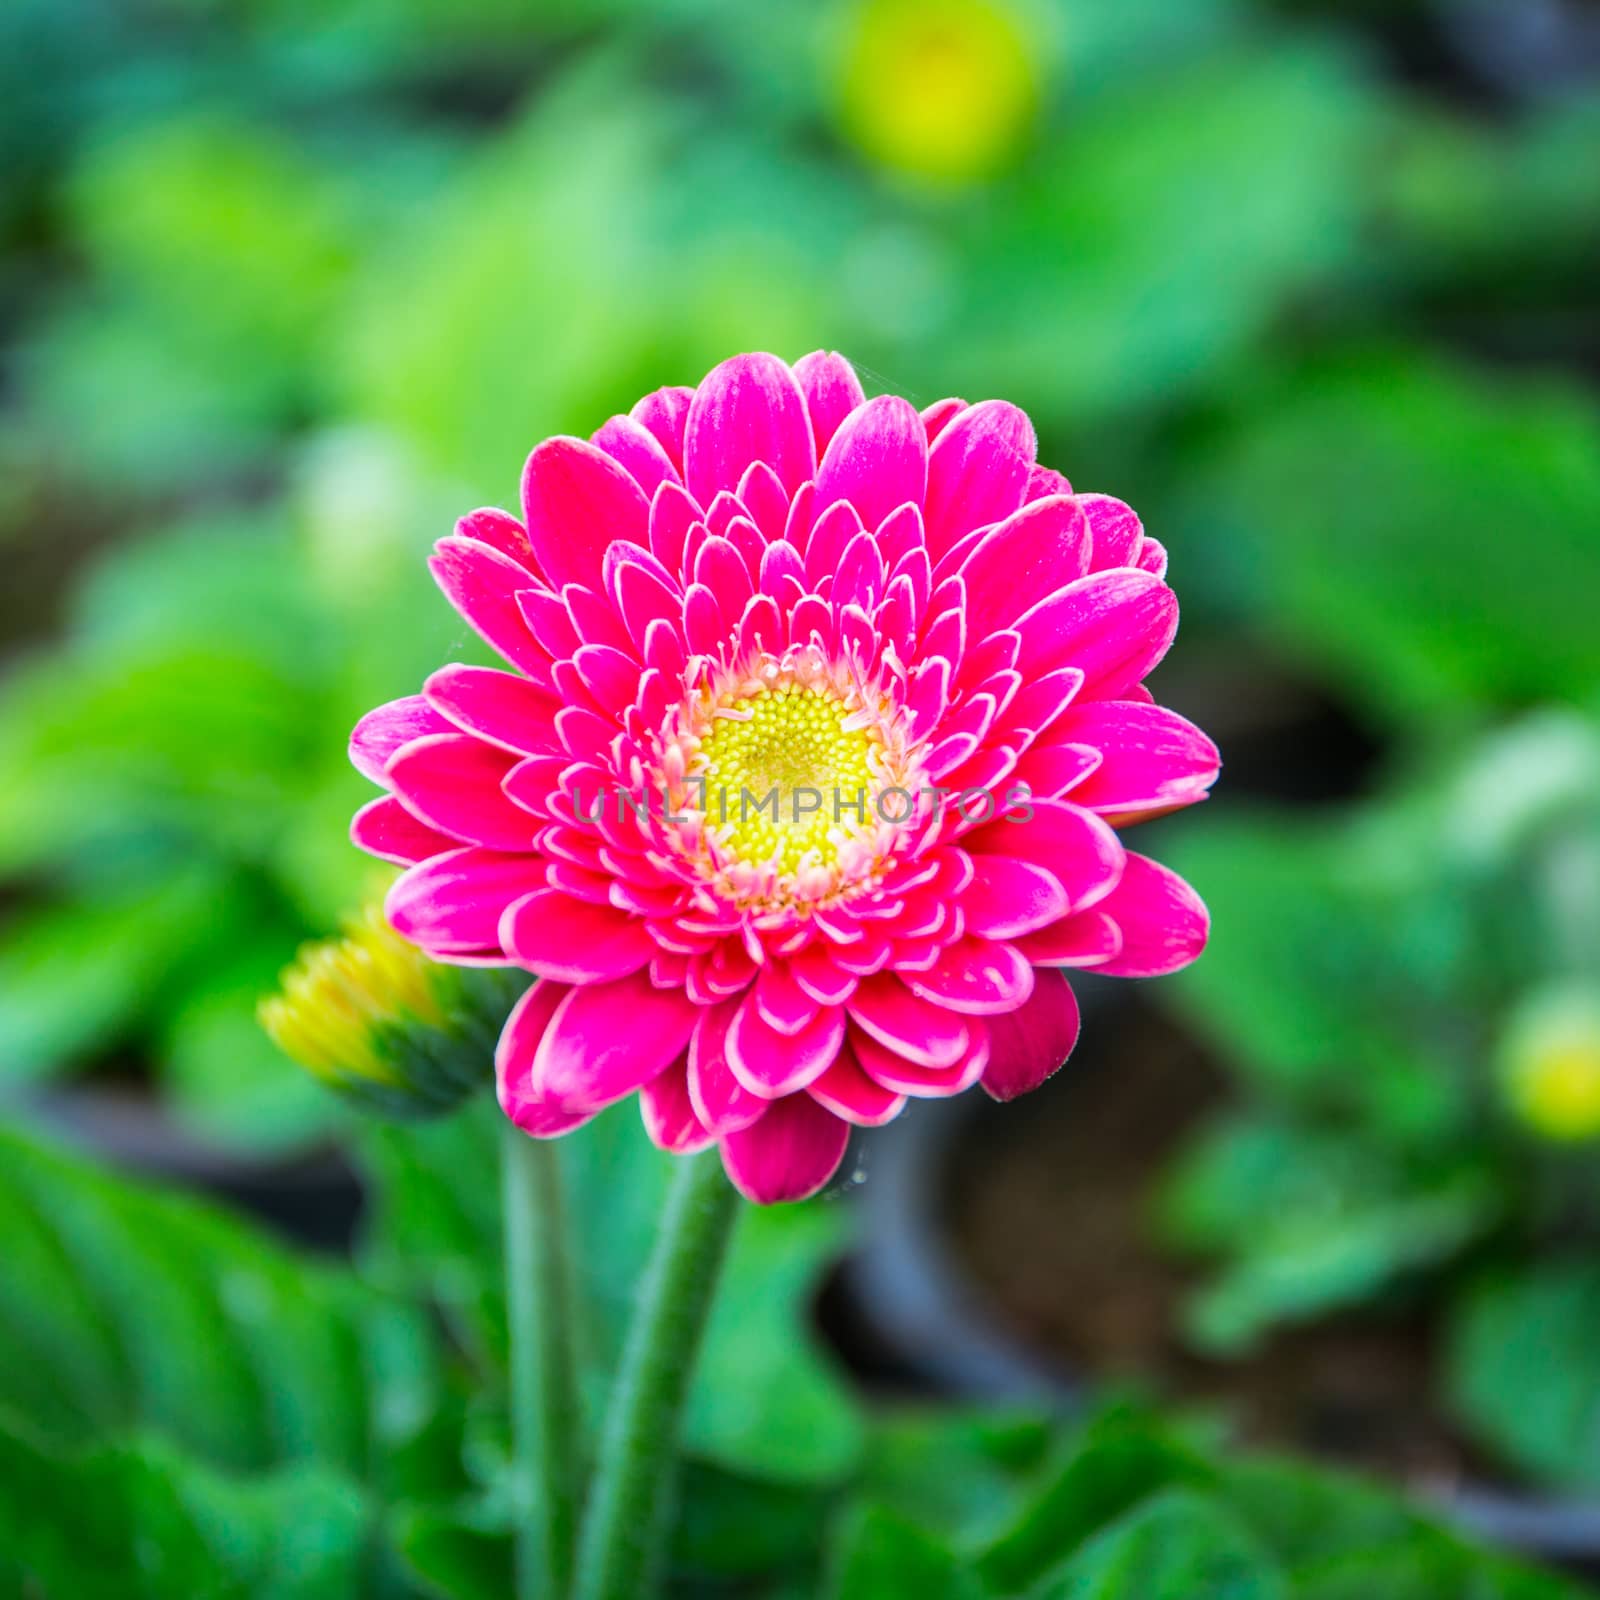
[(625, 1528), (545, 1423)]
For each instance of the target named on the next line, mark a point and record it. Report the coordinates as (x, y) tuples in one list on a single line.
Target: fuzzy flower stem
[(626, 1524), (545, 1422)]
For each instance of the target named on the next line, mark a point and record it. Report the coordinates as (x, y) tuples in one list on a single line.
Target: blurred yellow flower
[(940, 89), (1551, 1065), (372, 1017)]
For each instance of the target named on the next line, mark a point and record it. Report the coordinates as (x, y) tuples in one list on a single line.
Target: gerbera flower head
[(802, 793)]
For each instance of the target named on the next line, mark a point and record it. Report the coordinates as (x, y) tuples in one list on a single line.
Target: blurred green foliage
[(155, 1351)]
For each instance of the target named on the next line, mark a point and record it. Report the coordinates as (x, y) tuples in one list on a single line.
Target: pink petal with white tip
[(501, 707), (1115, 626), (772, 1064), (1153, 758), (1037, 550), (482, 585), (1089, 939), (606, 1040), (846, 1091), (877, 460), (747, 409), (1028, 1045), (520, 1095), (720, 1101), (638, 452), (928, 1034), (977, 977), (383, 731), (451, 904), (1074, 846), (832, 391), (892, 1071), (1008, 897), (576, 500), (1164, 923), (452, 781), (573, 940), (665, 412), (669, 1114), (977, 471), (384, 828), (789, 1154)]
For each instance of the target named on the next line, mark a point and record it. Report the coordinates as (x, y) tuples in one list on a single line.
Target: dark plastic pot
[(917, 1302)]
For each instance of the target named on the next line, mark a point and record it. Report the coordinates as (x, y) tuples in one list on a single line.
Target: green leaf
[(1522, 1370), (886, 1556), (960, 1473), (1307, 983), (1387, 562), (1118, 1460), (454, 1558), (1181, 1546), (122, 1308), (140, 1522), (1307, 1220)]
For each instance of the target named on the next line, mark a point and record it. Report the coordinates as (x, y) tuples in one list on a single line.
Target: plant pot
[(1006, 1256)]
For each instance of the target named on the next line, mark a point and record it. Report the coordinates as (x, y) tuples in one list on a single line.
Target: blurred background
[(284, 287)]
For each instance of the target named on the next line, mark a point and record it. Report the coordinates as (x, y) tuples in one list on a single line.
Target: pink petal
[(452, 781), (384, 828), (1114, 625), (937, 417), (482, 585), (892, 1071), (638, 452), (930, 1035), (721, 1102), (1026, 1046), (606, 1040), (576, 500), (1008, 897), (789, 1154), (669, 1114), (770, 1063), (877, 460), (664, 413), (383, 731), (501, 707), (1074, 846), (747, 409), (832, 392), (1116, 531), (1164, 923), (501, 530), (977, 977), (977, 471), (521, 1098), (451, 905), (846, 1091), (573, 941), (1089, 939), (1153, 758), (1039, 549), (783, 1003), (1049, 771)]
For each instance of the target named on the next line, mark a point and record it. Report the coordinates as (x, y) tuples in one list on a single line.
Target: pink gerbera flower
[(771, 586)]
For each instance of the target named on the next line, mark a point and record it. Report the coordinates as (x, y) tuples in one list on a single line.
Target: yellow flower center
[(787, 769), (780, 772)]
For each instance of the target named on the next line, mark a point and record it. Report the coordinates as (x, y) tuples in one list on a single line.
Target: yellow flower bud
[(372, 1017), (1550, 1064)]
